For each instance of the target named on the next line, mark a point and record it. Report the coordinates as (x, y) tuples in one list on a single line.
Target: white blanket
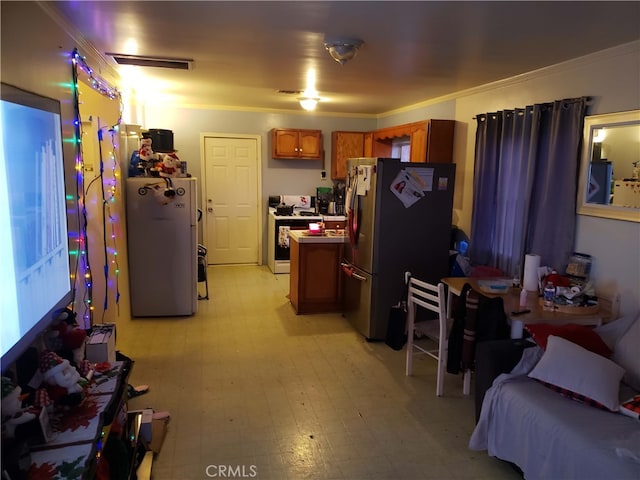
[(553, 437)]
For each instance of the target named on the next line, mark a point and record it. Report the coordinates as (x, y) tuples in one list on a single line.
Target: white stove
[(278, 227)]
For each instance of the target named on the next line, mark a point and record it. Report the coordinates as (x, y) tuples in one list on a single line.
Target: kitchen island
[(315, 275)]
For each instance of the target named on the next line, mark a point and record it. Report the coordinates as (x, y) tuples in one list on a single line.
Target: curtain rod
[(566, 100)]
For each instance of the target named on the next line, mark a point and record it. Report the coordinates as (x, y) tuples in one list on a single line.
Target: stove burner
[(307, 214)]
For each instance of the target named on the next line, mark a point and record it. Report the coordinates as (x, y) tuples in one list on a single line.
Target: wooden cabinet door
[(284, 143), (344, 145), (292, 143), (320, 277), (439, 147), (368, 144), (310, 144), (315, 283), (418, 147)]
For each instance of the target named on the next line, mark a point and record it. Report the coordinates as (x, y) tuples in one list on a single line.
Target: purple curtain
[(525, 185)]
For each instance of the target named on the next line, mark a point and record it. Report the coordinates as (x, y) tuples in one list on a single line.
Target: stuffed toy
[(145, 152), (13, 414), (63, 382), (170, 166), (147, 158), (67, 339)]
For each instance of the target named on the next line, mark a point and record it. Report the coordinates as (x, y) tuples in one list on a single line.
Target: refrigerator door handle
[(359, 277), (351, 272)]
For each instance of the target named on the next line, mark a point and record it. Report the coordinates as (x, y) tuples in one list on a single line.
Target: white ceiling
[(244, 52)]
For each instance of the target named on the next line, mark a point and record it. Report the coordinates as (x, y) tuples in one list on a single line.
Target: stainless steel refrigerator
[(162, 246), (399, 219)]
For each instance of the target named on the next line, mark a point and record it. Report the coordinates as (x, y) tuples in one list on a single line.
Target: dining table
[(532, 311)]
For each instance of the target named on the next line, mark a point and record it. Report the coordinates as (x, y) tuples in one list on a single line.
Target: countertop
[(330, 236)]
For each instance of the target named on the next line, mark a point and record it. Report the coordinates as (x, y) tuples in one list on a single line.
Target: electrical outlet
[(323, 175)]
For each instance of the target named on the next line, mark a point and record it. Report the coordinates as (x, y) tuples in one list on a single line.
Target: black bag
[(397, 327)]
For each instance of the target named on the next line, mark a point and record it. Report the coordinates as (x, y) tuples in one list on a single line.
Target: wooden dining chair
[(430, 297)]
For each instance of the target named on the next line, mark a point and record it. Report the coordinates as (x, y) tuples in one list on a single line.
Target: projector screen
[(35, 282)]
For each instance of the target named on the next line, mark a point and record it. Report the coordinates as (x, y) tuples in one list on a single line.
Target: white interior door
[(231, 200)]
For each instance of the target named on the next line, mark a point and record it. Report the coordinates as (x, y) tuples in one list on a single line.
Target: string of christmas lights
[(83, 262), (97, 83), (111, 200)]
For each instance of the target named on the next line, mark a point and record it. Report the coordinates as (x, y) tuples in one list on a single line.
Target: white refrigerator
[(162, 236)]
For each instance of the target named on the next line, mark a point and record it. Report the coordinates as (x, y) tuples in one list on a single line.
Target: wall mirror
[(610, 170)]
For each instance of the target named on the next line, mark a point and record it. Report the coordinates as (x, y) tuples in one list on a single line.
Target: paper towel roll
[(530, 280)]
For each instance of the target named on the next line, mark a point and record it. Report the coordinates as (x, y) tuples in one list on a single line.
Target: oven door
[(282, 252)]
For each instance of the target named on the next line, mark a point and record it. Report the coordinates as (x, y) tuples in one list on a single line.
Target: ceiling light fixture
[(309, 103), (344, 49)]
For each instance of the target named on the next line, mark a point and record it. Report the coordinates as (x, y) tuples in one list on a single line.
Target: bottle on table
[(523, 298), (549, 295)]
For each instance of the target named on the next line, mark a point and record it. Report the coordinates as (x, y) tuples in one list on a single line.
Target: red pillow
[(581, 335)]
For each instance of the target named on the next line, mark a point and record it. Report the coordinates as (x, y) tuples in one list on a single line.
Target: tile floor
[(255, 391)]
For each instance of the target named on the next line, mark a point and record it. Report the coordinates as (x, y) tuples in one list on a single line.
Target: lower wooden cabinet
[(335, 224), (315, 277)]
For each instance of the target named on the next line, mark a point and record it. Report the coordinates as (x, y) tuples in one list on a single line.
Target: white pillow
[(569, 366), (626, 353)]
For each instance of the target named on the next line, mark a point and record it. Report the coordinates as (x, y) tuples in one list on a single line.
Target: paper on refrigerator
[(409, 186), (364, 179)]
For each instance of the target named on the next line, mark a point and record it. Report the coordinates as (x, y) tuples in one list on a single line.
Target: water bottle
[(548, 295), (523, 298)]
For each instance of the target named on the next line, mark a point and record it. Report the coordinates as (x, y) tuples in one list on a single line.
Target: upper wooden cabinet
[(368, 144), (439, 142), (345, 145), (296, 143), (431, 140)]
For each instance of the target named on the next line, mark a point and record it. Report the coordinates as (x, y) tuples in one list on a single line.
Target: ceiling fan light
[(343, 50), (308, 103)]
